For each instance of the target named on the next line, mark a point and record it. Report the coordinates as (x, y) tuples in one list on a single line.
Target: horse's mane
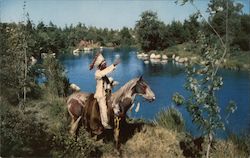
[(120, 93)]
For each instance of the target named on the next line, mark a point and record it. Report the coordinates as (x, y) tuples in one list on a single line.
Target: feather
[(137, 107), (132, 107)]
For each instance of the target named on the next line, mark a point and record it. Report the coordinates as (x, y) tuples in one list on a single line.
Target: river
[(164, 80)]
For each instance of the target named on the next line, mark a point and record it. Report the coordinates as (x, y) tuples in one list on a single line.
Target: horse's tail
[(67, 111)]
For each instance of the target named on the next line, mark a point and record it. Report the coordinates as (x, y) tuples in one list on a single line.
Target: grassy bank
[(236, 60), (41, 130)]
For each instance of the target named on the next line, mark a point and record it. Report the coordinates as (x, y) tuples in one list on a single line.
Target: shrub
[(41, 131), (65, 145), (170, 118), (22, 135)]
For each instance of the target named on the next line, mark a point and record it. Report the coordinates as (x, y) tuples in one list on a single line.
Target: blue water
[(164, 80)]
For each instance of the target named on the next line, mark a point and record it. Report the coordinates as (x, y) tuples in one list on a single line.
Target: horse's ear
[(140, 79)]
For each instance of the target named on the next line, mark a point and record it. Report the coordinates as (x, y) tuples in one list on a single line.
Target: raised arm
[(101, 73)]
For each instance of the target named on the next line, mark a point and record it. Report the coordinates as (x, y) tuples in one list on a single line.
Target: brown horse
[(84, 106)]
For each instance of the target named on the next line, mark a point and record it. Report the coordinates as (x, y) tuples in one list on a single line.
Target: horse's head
[(143, 89)]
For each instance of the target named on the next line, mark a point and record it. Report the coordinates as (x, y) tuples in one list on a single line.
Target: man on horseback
[(101, 84)]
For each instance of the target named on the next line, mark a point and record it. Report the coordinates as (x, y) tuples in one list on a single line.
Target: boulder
[(186, 59), (173, 56), (152, 56), (177, 58), (76, 52), (181, 60), (158, 56), (144, 55), (164, 57), (139, 55)]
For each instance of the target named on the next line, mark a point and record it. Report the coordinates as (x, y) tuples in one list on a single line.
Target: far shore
[(181, 51)]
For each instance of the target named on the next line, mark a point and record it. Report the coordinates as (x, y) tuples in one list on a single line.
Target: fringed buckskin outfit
[(101, 85)]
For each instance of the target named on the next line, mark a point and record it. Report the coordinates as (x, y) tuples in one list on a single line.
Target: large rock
[(186, 59), (139, 55), (76, 52), (173, 56), (177, 58), (181, 60), (158, 56), (155, 56), (142, 56), (152, 56), (164, 57)]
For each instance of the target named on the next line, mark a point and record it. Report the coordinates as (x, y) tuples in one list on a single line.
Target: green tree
[(177, 32), (191, 27), (242, 35), (14, 77), (148, 31), (56, 81), (225, 27), (125, 37), (203, 82)]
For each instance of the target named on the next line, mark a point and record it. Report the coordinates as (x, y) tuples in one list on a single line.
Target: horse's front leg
[(117, 131), (74, 126)]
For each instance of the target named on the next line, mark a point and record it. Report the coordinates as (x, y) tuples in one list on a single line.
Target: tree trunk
[(210, 139), (25, 76)]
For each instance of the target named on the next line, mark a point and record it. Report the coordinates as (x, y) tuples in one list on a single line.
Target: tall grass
[(41, 130), (170, 118), (242, 142), (22, 135)]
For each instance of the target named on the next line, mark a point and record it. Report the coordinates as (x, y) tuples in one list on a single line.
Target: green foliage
[(64, 145), (42, 130), (56, 81), (191, 27), (243, 32), (178, 99), (176, 32), (55, 115), (22, 134), (148, 30), (126, 38), (170, 118), (16, 72), (237, 22), (153, 34), (202, 82)]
